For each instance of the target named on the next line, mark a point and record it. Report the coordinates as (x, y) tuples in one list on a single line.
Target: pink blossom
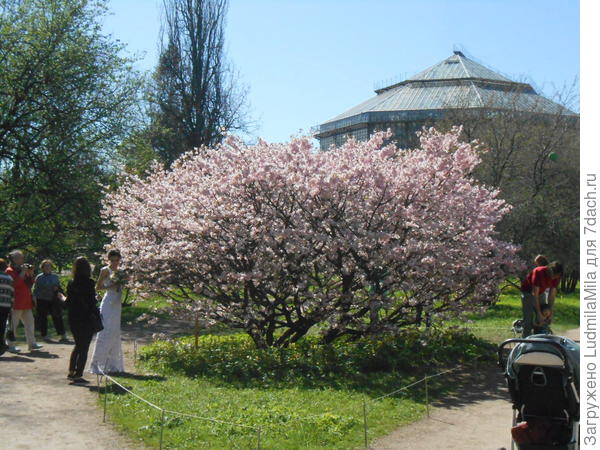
[(280, 237)]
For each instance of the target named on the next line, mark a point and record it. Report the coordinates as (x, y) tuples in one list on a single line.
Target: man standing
[(533, 287), (22, 276), (6, 302)]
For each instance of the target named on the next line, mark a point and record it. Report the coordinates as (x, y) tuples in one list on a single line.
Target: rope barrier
[(132, 393), (258, 430), (397, 390), (424, 379), (416, 382), (164, 411)]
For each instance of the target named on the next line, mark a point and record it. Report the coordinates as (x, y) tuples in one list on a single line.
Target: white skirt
[(108, 355)]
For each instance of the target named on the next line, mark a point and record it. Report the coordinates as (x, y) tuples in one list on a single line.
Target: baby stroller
[(542, 372)]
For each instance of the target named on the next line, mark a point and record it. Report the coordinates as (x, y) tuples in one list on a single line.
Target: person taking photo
[(22, 276)]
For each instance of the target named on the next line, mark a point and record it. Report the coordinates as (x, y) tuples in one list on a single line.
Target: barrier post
[(427, 395), (98, 384), (105, 397), (162, 426), (365, 423)]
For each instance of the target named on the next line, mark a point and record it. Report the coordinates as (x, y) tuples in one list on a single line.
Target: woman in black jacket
[(81, 303)]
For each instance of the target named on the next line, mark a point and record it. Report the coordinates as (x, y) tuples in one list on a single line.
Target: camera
[(27, 266)]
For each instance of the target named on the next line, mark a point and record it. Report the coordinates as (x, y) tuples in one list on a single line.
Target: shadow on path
[(42, 355), (16, 358), (472, 386)]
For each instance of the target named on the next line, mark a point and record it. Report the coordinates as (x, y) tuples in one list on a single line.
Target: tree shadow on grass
[(138, 377), (110, 388), (470, 383)]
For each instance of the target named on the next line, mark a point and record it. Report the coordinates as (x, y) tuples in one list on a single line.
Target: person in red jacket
[(22, 276), (533, 287)]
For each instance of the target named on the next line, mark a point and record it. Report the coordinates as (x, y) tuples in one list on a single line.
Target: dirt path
[(40, 409), (479, 417)]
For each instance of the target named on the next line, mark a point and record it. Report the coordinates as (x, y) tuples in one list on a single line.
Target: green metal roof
[(455, 83), (458, 66)]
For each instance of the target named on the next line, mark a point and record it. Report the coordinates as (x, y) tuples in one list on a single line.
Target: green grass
[(314, 402), (496, 324), (301, 413), (289, 418), (136, 307)]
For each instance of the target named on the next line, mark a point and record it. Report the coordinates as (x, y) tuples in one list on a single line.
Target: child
[(544, 326), (540, 260)]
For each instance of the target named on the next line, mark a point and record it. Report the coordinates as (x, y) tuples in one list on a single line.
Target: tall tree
[(195, 95), (67, 97), (533, 159)]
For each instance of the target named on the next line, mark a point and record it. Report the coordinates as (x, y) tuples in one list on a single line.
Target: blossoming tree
[(275, 239)]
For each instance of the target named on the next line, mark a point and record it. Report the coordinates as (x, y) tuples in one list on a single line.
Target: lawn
[(496, 324), (322, 409), (289, 418), (312, 403)]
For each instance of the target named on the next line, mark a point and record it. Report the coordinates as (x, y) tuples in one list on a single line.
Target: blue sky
[(305, 61)]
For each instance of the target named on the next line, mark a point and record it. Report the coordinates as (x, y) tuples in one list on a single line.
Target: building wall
[(404, 133), (361, 134)]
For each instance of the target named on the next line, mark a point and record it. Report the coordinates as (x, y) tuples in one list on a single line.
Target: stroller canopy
[(547, 354)]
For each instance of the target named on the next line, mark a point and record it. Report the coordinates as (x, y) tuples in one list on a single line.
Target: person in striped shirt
[(7, 294)]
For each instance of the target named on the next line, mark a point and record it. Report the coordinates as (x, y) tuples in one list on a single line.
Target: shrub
[(236, 358), (279, 239)]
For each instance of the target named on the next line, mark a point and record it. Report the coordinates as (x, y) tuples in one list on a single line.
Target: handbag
[(96, 320)]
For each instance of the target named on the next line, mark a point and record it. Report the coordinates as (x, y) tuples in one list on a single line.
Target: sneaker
[(64, 339), (35, 347), (14, 349), (80, 380)]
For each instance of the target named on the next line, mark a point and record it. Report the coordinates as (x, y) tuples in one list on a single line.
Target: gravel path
[(39, 408), (479, 417)]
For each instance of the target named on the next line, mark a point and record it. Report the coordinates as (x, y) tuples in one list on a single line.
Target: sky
[(306, 61)]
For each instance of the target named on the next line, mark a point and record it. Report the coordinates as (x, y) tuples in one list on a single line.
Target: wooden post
[(427, 395)]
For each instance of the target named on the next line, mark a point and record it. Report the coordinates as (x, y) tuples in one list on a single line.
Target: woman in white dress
[(108, 356)]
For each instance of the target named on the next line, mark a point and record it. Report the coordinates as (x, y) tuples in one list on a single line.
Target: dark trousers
[(52, 307), (529, 313), (83, 339), (4, 314), (10, 335)]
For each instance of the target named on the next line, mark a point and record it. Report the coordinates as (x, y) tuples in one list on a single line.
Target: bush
[(236, 358), (279, 240)]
